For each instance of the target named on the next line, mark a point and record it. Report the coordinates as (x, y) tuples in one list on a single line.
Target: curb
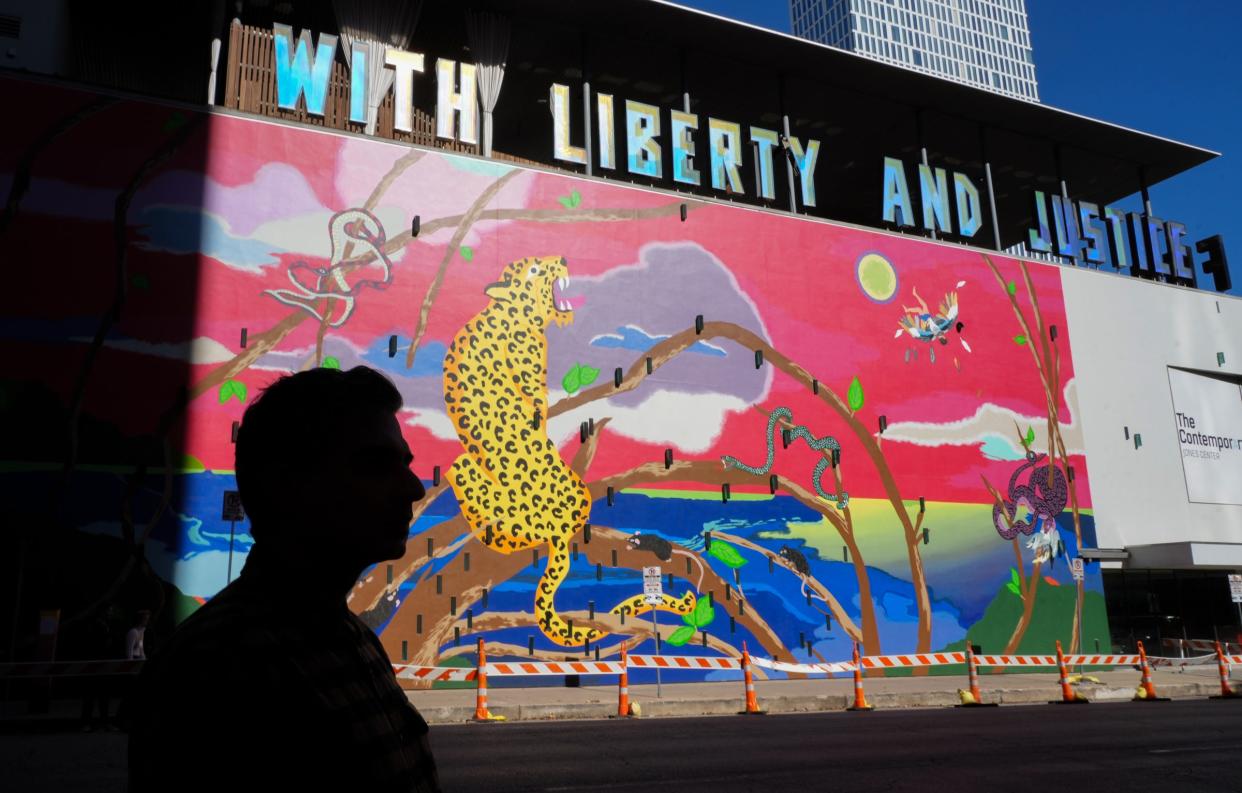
[(824, 703)]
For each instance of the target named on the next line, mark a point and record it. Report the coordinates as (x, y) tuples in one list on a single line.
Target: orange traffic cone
[(974, 697), (623, 686), (1226, 690), (1068, 695), (1146, 692), (481, 712), (752, 703), (860, 697)]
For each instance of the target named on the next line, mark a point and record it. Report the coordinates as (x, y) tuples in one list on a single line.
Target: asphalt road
[(1175, 746), (1118, 747)]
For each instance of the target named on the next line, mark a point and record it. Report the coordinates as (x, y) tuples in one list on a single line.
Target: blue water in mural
[(193, 547)]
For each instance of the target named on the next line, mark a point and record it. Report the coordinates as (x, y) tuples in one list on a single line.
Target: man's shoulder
[(226, 627)]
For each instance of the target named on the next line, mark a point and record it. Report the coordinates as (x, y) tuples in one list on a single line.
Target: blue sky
[(1170, 67)]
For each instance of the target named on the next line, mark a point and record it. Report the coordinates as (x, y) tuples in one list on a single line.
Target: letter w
[(302, 73)]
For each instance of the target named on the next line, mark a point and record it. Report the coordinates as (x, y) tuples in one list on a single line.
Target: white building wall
[(1124, 334)]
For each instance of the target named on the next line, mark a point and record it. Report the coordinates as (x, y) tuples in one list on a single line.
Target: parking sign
[(653, 587)]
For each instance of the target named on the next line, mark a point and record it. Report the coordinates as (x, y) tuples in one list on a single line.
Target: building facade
[(804, 380), (984, 43)]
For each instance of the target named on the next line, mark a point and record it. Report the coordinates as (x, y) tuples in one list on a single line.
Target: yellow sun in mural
[(877, 278)]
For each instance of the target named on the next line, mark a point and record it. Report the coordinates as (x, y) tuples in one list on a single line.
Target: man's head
[(323, 470)]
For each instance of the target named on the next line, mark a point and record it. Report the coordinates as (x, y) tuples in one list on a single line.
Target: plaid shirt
[(260, 689)]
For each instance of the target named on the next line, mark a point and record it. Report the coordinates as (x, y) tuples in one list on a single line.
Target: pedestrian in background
[(99, 643)]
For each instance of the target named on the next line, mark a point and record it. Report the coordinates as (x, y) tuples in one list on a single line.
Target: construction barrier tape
[(683, 662), (805, 669), (1106, 660), (523, 668), (922, 659), (436, 673), (520, 669)]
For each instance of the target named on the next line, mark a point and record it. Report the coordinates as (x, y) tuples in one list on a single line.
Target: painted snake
[(799, 431), (1044, 501)]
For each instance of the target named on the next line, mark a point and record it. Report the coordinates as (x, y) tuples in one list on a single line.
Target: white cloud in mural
[(185, 230), (308, 234), (244, 226), (437, 185), (202, 350), (434, 421), (992, 428), (689, 422)]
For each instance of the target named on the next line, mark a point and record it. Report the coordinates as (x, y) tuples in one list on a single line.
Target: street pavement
[(1181, 745), (1184, 745)]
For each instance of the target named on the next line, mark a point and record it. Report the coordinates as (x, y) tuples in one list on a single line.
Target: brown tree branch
[(666, 350), (580, 215), (586, 452), (1028, 605), (368, 592), (460, 588), (450, 253), (820, 589)]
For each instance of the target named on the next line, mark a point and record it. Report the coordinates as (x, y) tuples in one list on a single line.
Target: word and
[(644, 151), (304, 69), (966, 218)]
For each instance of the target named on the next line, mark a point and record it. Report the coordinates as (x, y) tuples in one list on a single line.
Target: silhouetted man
[(274, 684)]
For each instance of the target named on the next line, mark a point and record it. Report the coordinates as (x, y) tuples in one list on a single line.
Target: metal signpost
[(1235, 592), (653, 595), (1077, 573), (232, 511), (1076, 568)]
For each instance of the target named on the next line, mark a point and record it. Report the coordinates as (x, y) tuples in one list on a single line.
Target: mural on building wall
[(595, 379)]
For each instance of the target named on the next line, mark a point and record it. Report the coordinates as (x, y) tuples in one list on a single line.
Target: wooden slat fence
[(250, 86)]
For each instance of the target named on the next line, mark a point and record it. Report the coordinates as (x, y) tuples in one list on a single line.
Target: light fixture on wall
[(1138, 440), (1220, 359)]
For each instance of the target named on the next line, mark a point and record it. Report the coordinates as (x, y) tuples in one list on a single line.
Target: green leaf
[(1019, 340), (566, 201), (1030, 436), (1011, 287), (330, 362), (703, 614), (727, 554), (1013, 588), (1013, 576), (586, 375), (230, 389), (575, 198), (688, 619), (140, 281), (855, 395), (680, 636), (572, 380), (191, 463), (467, 252)]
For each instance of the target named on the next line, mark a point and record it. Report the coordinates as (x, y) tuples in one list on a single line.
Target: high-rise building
[(984, 43)]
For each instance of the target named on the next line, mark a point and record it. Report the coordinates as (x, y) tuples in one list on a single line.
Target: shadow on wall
[(98, 348)]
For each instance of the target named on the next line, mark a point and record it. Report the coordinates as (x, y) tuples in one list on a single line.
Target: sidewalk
[(709, 699), (800, 696)]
